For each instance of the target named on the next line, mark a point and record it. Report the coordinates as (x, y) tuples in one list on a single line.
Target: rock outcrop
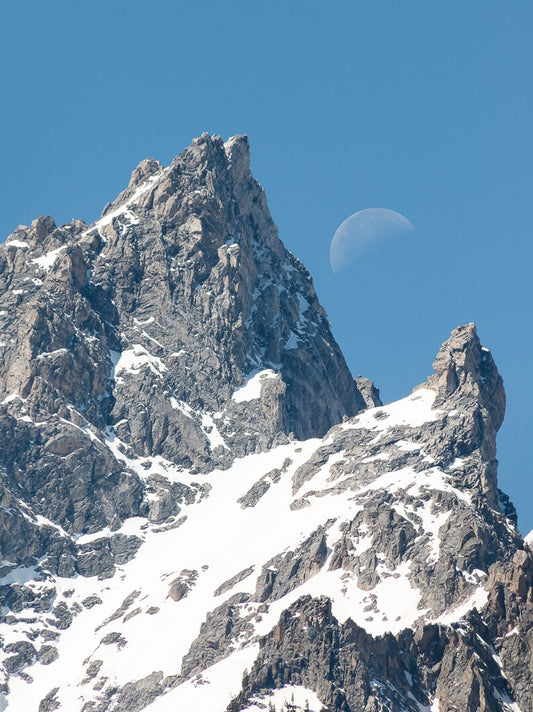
[(176, 326)]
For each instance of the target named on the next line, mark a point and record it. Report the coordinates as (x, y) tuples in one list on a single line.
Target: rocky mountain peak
[(458, 360), (237, 150), (463, 364), (202, 242), (183, 449), (41, 228), (177, 325), (146, 169), (368, 391), (467, 381)]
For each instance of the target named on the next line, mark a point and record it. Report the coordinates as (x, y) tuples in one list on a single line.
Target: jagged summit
[(467, 378), (177, 324), (463, 364), (200, 509), (190, 251)]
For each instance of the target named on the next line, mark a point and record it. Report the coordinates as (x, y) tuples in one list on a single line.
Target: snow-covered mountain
[(201, 510)]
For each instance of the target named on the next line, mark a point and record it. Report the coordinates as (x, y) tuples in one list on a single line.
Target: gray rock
[(136, 695), (50, 702), (62, 616), (368, 391), (47, 654), (17, 597), (122, 609), (290, 570), (234, 580), (49, 634), (114, 638), (99, 557), (91, 601), (254, 494), (214, 642), (93, 669), (181, 586), (24, 654)]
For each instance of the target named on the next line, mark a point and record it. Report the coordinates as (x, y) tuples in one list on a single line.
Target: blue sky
[(423, 108)]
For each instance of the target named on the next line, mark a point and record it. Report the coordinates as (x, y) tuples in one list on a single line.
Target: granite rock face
[(177, 326), (200, 508), (369, 391)]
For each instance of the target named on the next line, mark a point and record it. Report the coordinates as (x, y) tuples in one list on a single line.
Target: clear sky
[(423, 108)]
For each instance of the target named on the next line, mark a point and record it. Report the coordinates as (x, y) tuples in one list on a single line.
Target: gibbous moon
[(362, 230)]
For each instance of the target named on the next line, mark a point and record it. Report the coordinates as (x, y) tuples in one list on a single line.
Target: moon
[(361, 230)]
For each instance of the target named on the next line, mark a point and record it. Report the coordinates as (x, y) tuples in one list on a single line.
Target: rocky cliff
[(177, 325), (201, 509)]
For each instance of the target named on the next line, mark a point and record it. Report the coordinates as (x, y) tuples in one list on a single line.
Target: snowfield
[(135, 626)]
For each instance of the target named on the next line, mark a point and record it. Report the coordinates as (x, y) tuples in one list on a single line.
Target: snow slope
[(136, 624)]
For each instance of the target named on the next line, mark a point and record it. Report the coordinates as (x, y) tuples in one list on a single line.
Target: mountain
[(202, 510)]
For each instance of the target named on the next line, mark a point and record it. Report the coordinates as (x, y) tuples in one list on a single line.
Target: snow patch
[(292, 342), (390, 607), (477, 600), (211, 432), (252, 388), (10, 398), (302, 303), (407, 446), (20, 575), (47, 354), (457, 463), (145, 322), (413, 411), (213, 689), (124, 208), (132, 360), (47, 261), (415, 482), (17, 243), (299, 698), (205, 421)]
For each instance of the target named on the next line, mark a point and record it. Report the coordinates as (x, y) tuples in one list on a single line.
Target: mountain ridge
[(200, 506)]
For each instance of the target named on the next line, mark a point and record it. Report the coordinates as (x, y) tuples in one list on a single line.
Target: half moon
[(361, 231)]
